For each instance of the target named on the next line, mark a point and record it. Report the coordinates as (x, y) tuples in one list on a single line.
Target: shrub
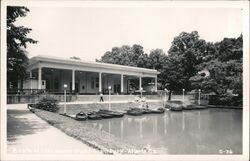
[(48, 103), (227, 100)]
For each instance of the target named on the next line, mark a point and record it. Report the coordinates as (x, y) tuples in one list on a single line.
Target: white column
[(155, 84), (73, 80), (39, 77), (140, 82), (100, 82), (121, 83)]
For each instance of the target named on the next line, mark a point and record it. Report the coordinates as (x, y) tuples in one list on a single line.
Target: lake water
[(209, 131)]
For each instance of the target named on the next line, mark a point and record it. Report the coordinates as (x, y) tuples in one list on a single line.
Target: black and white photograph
[(124, 80)]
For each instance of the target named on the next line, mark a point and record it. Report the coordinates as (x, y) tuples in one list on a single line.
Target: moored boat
[(147, 111), (110, 112), (105, 115), (135, 112), (158, 110), (188, 107), (176, 108), (81, 116), (94, 116)]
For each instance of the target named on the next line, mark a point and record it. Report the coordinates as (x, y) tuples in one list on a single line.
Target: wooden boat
[(135, 112), (105, 115), (176, 108), (109, 112), (158, 110), (81, 116), (94, 116), (174, 105), (150, 111), (188, 107), (147, 111)]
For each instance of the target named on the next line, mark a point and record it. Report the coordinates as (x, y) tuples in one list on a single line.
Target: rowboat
[(110, 112), (135, 112), (105, 115), (94, 116), (176, 108), (158, 110), (81, 116)]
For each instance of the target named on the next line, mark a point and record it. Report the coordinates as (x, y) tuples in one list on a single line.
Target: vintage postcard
[(124, 80)]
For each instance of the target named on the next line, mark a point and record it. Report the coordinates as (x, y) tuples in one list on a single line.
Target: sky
[(89, 32)]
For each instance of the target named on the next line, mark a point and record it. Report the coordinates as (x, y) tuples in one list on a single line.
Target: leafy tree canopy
[(191, 63), (186, 52), (17, 40), (124, 55), (222, 72)]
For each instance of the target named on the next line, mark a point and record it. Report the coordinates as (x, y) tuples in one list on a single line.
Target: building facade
[(83, 77)]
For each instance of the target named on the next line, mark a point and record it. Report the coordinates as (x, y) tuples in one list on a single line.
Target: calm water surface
[(210, 131)]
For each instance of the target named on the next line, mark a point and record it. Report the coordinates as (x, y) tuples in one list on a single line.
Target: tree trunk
[(169, 95)]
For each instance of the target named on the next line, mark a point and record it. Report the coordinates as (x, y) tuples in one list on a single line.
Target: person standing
[(101, 97)]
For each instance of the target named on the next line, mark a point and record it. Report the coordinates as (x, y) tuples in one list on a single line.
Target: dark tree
[(157, 60), (222, 72), (124, 55), (186, 52), (17, 40), (173, 73)]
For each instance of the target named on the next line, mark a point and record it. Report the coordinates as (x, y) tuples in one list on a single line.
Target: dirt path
[(28, 134)]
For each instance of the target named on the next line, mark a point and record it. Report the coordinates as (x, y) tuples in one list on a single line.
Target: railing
[(34, 95), (13, 99), (16, 91), (35, 91)]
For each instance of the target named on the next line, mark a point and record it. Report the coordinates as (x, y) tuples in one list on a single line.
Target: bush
[(227, 100), (48, 103)]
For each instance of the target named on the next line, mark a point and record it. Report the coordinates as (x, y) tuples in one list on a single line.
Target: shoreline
[(96, 139)]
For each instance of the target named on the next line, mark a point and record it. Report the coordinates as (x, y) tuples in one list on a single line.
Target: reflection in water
[(122, 129), (199, 119), (189, 132), (183, 121), (109, 128)]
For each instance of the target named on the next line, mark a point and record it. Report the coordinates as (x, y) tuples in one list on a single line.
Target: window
[(56, 83), (97, 82)]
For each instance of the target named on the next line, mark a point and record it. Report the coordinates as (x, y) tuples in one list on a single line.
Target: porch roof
[(77, 64)]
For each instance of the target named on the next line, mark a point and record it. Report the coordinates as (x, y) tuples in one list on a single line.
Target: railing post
[(199, 99), (183, 95)]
